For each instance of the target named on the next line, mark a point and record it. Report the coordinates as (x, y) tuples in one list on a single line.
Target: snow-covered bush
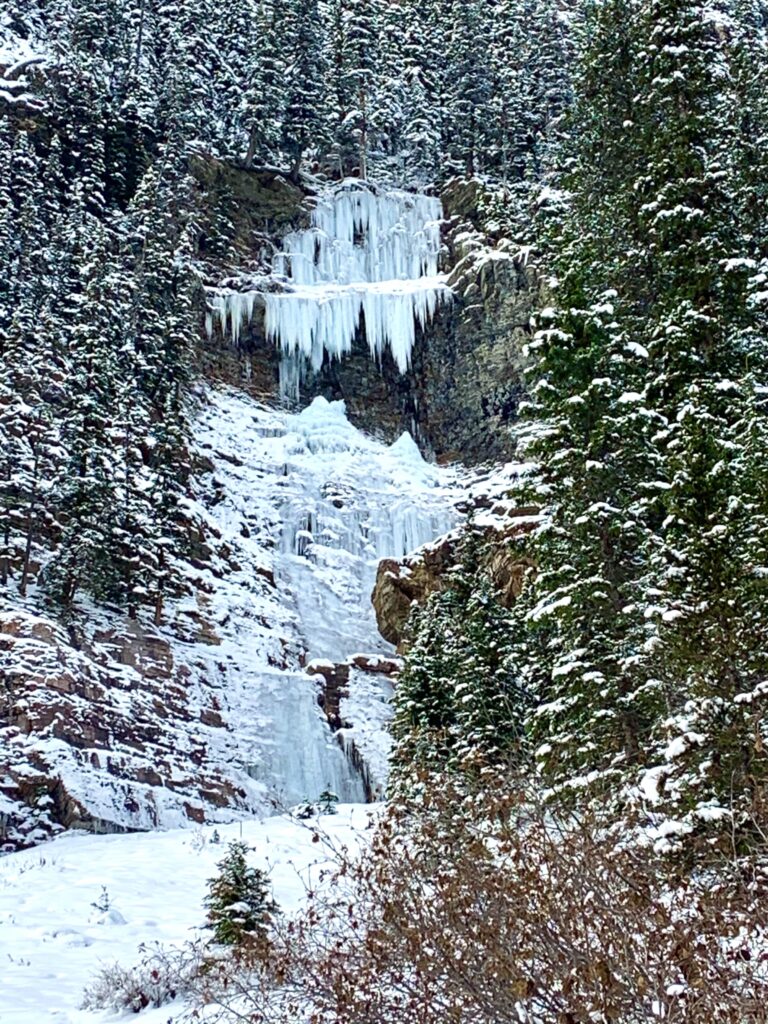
[(159, 978)]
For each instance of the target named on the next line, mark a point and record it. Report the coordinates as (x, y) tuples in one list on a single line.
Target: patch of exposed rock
[(355, 696), (104, 732), (401, 584)]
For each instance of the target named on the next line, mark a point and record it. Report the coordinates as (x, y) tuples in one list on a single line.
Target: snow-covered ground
[(53, 940)]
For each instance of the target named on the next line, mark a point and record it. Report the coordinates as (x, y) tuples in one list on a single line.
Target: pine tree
[(304, 123), (362, 41), (264, 96), (591, 435), (340, 87), (469, 86), (706, 348), (647, 425), (458, 703), (422, 41), (240, 907)]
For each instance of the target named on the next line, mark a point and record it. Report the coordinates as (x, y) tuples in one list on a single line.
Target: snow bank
[(53, 940)]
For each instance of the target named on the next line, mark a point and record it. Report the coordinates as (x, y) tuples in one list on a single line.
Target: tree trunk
[(32, 508)]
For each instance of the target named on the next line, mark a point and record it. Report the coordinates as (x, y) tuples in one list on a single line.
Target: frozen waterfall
[(369, 260), (311, 504)]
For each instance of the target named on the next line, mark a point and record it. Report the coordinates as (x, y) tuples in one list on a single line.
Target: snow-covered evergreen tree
[(458, 703), (240, 907), (304, 125), (647, 412)]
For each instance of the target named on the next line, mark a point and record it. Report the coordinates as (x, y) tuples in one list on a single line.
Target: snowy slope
[(213, 714), (52, 940)]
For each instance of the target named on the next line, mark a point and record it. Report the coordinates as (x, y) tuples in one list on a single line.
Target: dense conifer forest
[(577, 809)]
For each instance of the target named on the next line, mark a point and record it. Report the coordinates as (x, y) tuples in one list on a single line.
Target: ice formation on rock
[(314, 503), (369, 259)]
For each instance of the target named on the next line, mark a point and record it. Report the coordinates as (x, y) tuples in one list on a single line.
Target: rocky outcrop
[(99, 731), (465, 383), (336, 677), (400, 585), (244, 213), (355, 696)]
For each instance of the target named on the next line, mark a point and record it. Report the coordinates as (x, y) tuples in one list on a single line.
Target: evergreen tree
[(645, 385), (706, 347), (304, 123), (264, 89), (362, 41), (240, 907), (457, 702), (469, 85)]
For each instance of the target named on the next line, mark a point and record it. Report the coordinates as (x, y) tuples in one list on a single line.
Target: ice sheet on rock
[(358, 235), (349, 502), (368, 262), (316, 320), (316, 503)]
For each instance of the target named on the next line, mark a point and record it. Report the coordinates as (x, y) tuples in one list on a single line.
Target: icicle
[(369, 259), (233, 310)]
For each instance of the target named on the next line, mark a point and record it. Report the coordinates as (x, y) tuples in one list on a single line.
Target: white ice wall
[(311, 501), (369, 259)]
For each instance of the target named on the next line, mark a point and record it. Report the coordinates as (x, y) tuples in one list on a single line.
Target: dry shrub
[(483, 910), (160, 977)]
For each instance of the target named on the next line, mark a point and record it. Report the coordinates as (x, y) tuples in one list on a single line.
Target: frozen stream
[(313, 497)]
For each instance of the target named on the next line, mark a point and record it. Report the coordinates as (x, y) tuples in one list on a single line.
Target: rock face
[(463, 388), (469, 373), (363, 683), (245, 214), (101, 729), (251, 209), (400, 585)]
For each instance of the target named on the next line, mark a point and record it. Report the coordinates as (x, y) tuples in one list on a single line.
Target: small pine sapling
[(327, 802), (240, 907)]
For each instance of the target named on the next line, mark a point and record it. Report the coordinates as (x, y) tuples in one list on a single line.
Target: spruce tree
[(362, 40), (240, 907), (458, 703), (469, 85), (647, 417), (264, 95), (707, 355), (304, 124)]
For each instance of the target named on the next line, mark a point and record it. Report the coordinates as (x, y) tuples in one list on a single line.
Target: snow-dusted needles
[(369, 260)]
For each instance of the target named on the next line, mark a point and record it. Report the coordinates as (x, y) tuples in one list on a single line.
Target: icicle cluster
[(358, 236), (368, 260)]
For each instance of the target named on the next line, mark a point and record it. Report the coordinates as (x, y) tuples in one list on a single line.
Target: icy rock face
[(216, 714), (349, 502), (313, 503), (369, 259)]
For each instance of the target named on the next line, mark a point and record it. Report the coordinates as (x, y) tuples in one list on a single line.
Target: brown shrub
[(484, 910)]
